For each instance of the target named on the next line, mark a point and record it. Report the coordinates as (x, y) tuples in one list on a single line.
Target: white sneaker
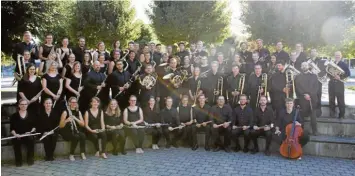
[(104, 155), (83, 156), (97, 154), (141, 150), (137, 150), (71, 158), (300, 158), (156, 147)]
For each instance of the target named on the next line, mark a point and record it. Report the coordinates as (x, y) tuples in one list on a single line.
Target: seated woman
[(133, 116), (71, 128), (151, 114), (22, 122), (114, 124), (95, 126)]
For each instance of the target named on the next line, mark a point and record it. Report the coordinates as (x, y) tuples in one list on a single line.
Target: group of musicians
[(105, 96)]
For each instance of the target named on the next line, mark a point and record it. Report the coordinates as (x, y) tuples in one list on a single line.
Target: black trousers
[(306, 111), (206, 129), (117, 136), (94, 138), (257, 133), (156, 134), (216, 132), (336, 90), (74, 139), (29, 143), (278, 101), (186, 134), (240, 132), (50, 142), (175, 133), (137, 136)]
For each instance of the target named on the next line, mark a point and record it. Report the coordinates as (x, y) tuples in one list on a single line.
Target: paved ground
[(182, 161)]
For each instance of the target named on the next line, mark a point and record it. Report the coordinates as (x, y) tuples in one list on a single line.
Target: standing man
[(336, 87), (209, 84), (157, 55), (244, 53), (294, 60), (277, 87), (306, 85), (234, 87), (254, 84), (148, 91), (280, 53), (221, 116), (182, 52), (264, 54), (26, 45), (80, 50)]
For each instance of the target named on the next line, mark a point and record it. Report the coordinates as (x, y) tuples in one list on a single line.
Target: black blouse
[(53, 84), (112, 120), (21, 125), (47, 50), (30, 89), (94, 122), (151, 115), (68, 70), (47, 122)]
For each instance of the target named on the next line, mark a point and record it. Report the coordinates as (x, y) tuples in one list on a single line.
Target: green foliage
[(146, 34), (104, 21), (291, 21), (176, 21)]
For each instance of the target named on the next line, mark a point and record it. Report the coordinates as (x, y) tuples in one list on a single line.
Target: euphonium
[(315, 70), (196, 93), (333, 69)]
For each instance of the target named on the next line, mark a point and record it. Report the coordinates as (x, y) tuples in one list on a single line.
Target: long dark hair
[(26, 77)]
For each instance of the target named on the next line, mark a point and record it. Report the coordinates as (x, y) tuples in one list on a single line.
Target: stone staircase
[(336, 139)]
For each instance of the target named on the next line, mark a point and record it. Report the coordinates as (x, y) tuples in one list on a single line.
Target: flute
[(21, 136), (237, 127), (77, 98), (223, 124), (39, 94), (203, 122), (178, 127), (48, 133)]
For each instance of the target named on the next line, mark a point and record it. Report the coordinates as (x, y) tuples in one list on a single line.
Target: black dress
[(31, 89), (47, 123), (95, 123), (74, 83), (66, 56), (117, 135), (47, 50), (68, 70), (53, 84)]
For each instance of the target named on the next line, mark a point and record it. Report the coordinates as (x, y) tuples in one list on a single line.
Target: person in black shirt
[(221, 116), (117, 82), (74, 82), (71, 128), (186, 120), (86, 64), (336, 87), (114, 122), (148, 91), (277, 87), (48, 120), (209, 83), (201, 115), (116, 47), (170, 116), (280, 53), (264, 53), (263, 122), (101, 50), (253, 85), (133, 117), (47, 48), (295, 61), (300, 55), (182, 52), (133, 65), (22, 122), (29, 89), (285, 117), (80, 50), (244, 53), (249, 67), (26, 45), (212, 57), (157, 55), (151, 116), (95, 127), (234, 87), (242, 123), (193, 83), (52, 85), (306, 90), (64, 52), (173, 87), (93, 83), (22, 65), (116, 56)]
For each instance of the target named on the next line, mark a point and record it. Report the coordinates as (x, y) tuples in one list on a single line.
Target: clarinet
[(131, 80), (73, 126)]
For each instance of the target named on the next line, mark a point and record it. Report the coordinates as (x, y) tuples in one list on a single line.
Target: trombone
[(196, 93), (263, 85), (240, 88), (290, 81), (219, 90)]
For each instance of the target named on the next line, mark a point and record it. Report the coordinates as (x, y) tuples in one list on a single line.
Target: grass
[(351, 87)]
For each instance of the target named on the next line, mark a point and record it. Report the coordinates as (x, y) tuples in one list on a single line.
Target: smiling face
[(71, 58), (65, 42), (23, 105), (48, 104), (113, 105), (32, 70), (49, 39), (132, 101), (77, 67), (94, 103)]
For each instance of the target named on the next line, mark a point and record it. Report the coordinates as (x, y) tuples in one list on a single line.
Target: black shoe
[(227, 149), (175, 145), (115, 153), (216, 149), (237, 149), (267, 152), (254, 151), (167, 146), (30, 163), (123, 152), (18, 164), (195, 147), (245, 150), (341, 117), (207, 148), (332, 114)]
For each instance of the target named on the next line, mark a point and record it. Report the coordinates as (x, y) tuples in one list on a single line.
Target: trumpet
[(263, 85), (290, 81), (196, 93), (240, 87), (219, 90)]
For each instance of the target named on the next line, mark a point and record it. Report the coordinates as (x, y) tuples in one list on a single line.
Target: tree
[(39, 17), (176, 21), (146, 34), (291, 21), (104, 21)]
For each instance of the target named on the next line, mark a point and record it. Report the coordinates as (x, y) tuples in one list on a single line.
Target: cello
[(290, 147)]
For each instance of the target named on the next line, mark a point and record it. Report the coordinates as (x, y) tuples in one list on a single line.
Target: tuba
[(333, 69), (148, 81), (315, 70)]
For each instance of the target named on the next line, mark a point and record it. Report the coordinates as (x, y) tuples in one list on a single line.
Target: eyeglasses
[(132, 100), (23, 104), (73, 102)]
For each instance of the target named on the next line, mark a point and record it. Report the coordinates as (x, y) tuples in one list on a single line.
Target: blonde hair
[(109, 110)]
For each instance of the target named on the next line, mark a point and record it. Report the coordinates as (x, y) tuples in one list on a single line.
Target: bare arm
[(80, 120), (64, 71), (41, 71), (141, 118), (102, 120), (40, 54), (63, 118), (110, 68), (125, 117), (60, 87), (67, 85)]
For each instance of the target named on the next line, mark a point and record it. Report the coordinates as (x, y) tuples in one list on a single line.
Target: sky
[(236, 25)]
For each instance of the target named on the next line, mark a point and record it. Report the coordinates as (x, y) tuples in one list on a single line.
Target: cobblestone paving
[(183, 161)]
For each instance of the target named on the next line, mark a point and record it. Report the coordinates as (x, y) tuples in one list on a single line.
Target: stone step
[(340, 147), (333, 126), (349, 111)]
